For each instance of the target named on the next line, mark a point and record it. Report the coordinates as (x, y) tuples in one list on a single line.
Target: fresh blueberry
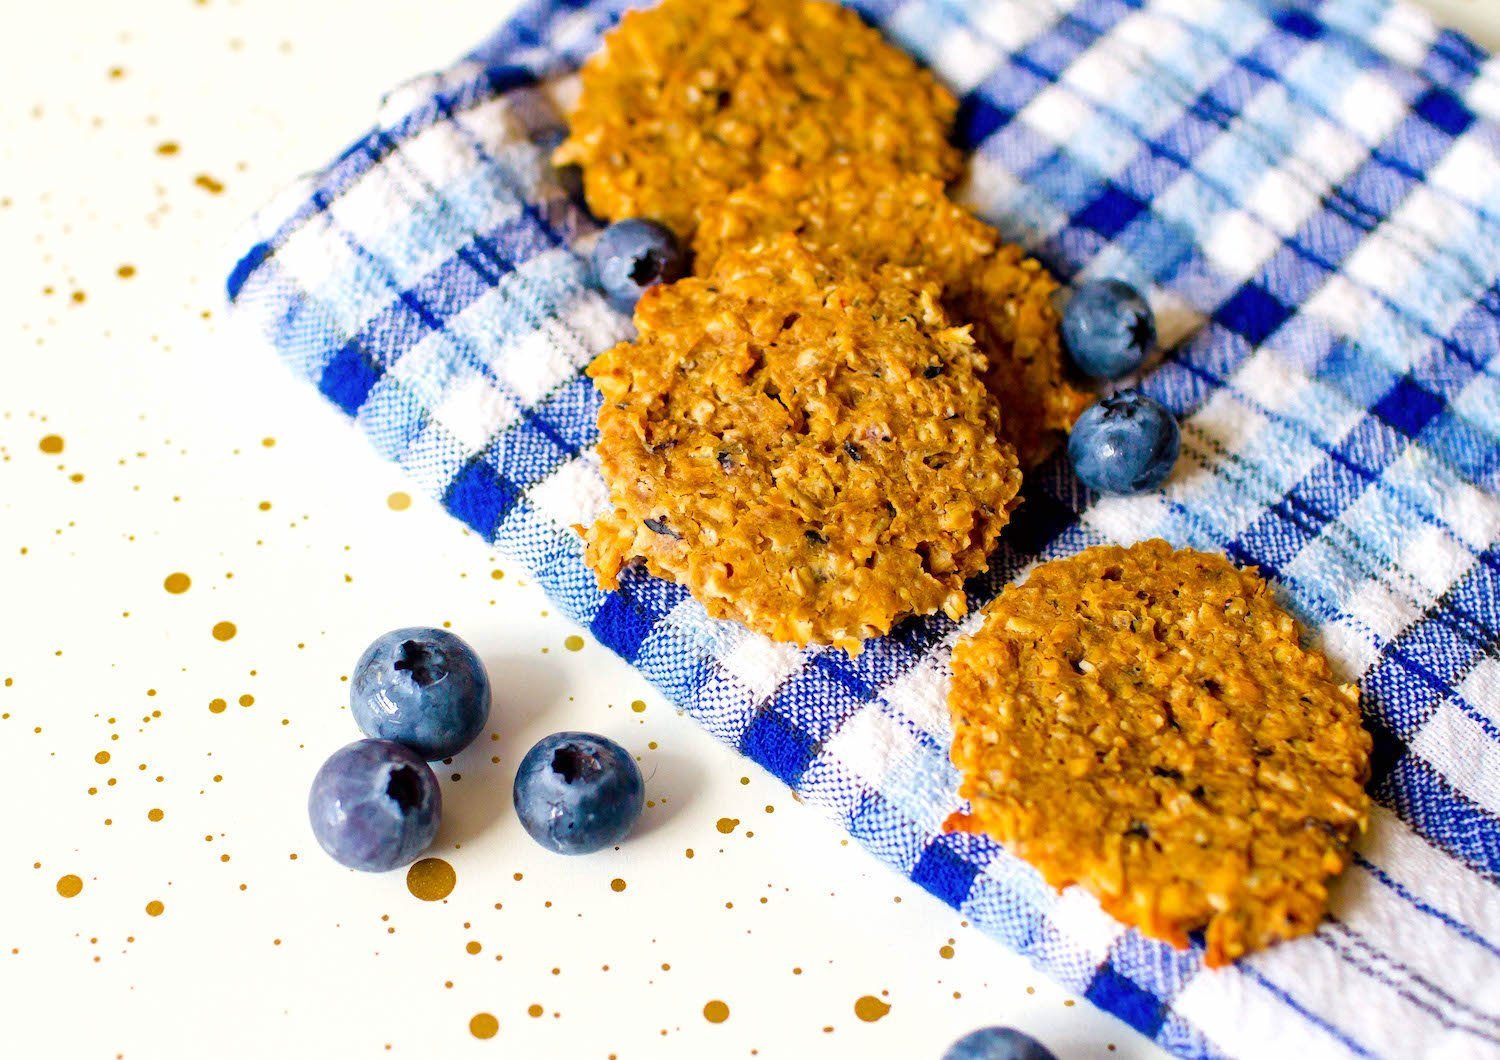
[(633, 255), (374, 805), (1124, 444), (997, 1043), (577, 793), (422, 687), (1109, 329)]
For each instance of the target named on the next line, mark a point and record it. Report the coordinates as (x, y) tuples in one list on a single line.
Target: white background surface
[(166, 467)]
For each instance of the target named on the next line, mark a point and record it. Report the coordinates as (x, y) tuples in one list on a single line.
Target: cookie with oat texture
[(1146, 723), (688, 100), (809, 450)]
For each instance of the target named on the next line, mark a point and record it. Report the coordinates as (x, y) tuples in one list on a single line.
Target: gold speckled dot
[(497, 574), (247, 700), (716, 1012), (727, 824), (224, 630), (102, 757), (52, 444), (69, 886), (125, 272), (216, 706), (177, 582), (638, 705), (870, 1009), (617, 885), (945, 952), (473, 947), (167, 148), (209, 183), (483, 1025), (534, 1011), (154, 814), (154, 908), (398, 501), (573, 643), (431, 879)]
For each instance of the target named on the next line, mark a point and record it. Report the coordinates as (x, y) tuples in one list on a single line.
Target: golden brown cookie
[(1146, 723), (874, 214), (809, 452), (690, 99)]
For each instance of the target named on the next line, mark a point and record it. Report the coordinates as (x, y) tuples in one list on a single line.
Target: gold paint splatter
[(483, 1025), (716, 1012), (69, 886), (617, 885), (945, 952), (125, 272), (167, 148), (638, 705), (870, 1008), (177, 582), (154, 908), (534, 1011), (497, 574), (688, 852), (264, 506), (247, 700), (154, 815), (52, 444), (727, 824), (574, 643), (216, 706), (224, 630), (102, 757), (209, 184), (80, 297), (431, 879), (473, 947), (398, 501)]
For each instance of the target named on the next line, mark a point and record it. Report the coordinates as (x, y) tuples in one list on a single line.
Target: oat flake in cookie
[(873, 213), (809, 452), (1146, 723), (691, 98)]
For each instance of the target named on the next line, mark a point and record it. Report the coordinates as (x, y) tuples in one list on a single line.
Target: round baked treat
[(876, 214), (1146, 723), (690, 99), (809, 452)]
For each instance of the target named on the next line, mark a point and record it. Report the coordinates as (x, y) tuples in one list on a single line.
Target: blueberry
[(997, 1043), (1109, 329), (1124, 444), (577, 793), (633, 255), (422, 687), (374, 805)]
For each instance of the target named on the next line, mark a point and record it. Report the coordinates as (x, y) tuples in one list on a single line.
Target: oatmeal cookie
[(810, 452), (1146, 723), (875, 214), (689, 99)]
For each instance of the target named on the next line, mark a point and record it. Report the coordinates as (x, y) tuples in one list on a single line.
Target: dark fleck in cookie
[(1146, 723), (876, 214), (809, 452), (690, 99)]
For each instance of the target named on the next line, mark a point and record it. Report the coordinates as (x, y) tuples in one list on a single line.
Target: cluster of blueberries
[(422, 695), (1125, 443)]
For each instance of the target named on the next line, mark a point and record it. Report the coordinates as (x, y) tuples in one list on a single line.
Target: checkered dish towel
[(1311, 194)]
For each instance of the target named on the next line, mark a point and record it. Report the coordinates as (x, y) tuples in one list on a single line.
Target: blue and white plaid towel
[(1311, 193)]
